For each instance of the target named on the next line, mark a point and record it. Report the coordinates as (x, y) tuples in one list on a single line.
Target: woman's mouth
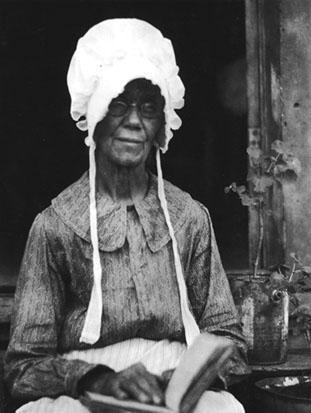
[(130, 141)]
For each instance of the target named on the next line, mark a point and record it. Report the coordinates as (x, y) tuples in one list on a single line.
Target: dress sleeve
[(33, 368), (210, 285)]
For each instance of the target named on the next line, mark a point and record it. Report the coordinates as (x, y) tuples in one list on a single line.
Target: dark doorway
[(43, 152)]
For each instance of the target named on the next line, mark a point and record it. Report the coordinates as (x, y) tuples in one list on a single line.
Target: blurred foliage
[(264, 170)]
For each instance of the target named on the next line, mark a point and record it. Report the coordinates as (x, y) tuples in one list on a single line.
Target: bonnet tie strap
[(92, 324), (190, 325)]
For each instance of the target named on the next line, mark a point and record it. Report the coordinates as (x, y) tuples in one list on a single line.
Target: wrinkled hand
[(135, 382)]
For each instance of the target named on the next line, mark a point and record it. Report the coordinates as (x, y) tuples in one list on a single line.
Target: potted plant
[(263, 300), (296, 281)]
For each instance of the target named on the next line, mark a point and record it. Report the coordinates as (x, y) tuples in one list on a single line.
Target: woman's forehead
[(141, 88)]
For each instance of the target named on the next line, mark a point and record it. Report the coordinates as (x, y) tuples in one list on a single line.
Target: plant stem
[(272, 163), (307, 335), (292, 271), (260, 239)]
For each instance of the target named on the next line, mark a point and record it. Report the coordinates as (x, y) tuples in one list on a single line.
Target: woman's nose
[(132, 118)]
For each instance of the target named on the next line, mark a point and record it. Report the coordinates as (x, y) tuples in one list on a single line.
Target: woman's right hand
[(135, 382)]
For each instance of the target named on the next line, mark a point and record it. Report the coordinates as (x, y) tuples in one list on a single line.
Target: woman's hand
[(135, 382)]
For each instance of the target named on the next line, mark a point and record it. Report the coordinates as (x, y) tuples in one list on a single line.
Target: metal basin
[(290, 394)]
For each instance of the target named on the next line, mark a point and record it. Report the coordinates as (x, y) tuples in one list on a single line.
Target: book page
[(96, 402)]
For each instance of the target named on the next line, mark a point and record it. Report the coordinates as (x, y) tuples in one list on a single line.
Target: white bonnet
[(111, 54)]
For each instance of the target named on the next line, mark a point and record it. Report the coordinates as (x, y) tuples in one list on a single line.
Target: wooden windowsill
[(297, 363)]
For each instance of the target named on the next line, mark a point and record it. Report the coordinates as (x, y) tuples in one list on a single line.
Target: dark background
[(42, 152)]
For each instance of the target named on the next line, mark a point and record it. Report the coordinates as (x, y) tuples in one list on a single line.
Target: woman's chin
[(130, 161)]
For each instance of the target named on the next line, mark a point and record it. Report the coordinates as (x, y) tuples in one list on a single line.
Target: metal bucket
[(290, 394), (264, 320)]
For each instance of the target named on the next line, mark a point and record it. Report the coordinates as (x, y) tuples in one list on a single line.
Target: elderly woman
[(122, 271)]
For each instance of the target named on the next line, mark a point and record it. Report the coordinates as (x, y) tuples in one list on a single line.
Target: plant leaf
[(247, 200), (241, 189), (303, 309), (254, 153), (278, 146), (306, 269), (232, 187), (294, 164), (262, 183), (268, 212)]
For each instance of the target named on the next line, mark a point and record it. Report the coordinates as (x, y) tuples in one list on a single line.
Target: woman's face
[(128, 131)]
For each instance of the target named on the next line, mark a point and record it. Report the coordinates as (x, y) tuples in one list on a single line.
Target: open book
[(197, 370)]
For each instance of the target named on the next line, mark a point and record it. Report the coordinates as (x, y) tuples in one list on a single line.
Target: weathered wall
[(296, 120)]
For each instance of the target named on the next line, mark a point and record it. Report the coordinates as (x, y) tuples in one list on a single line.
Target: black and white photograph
[(155, 220)]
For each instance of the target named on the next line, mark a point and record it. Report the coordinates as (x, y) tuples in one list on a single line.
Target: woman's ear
[(160, 138)]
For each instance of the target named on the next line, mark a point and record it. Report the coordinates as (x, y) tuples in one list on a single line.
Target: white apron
[(157, 356)]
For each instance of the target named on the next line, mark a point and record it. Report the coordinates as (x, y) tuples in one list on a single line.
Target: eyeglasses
[(149, 110)]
